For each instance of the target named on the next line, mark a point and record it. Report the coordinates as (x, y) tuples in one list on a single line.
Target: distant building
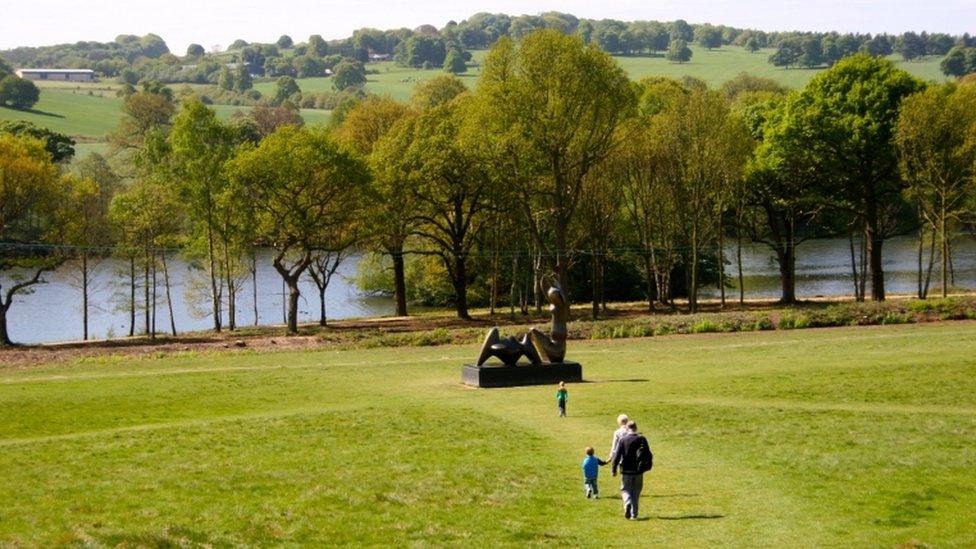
[(69, 75), (379, 56)]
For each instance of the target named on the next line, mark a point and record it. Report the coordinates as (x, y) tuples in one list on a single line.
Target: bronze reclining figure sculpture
[(535, 345)]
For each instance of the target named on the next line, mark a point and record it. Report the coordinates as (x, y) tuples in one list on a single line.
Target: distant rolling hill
[(90, 111)]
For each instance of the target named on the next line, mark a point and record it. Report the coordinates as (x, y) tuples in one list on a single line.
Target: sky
[(220, 22)]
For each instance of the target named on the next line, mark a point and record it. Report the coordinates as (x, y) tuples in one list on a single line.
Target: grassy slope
[(68, 108), (856, 436)]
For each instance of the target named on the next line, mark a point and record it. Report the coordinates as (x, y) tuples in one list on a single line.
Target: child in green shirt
[(561, 396)]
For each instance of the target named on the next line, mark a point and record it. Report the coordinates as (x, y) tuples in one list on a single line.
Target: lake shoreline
[(441, 327)]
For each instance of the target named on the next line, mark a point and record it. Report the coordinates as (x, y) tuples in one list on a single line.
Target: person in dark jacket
[(631, 476)]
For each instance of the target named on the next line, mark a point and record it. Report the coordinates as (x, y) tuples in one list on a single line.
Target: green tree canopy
[(561, 102), (678, 51), (60, 146), (841, 127), (303, 186), (18, 93)]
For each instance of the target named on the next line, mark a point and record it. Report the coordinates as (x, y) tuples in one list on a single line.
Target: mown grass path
[(837, 437)]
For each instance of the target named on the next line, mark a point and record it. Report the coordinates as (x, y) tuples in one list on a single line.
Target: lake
[(53, 312)]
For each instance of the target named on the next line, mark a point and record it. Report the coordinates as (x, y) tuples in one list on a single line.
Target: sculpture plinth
[(545, 354), (490, 375)]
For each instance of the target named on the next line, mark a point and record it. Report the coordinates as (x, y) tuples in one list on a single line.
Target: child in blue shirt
[(591, 468)]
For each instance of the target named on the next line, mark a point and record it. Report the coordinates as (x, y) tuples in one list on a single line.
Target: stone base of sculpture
[(499, 375)]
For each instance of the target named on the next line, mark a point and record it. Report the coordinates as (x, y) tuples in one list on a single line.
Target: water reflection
[(53, 313)]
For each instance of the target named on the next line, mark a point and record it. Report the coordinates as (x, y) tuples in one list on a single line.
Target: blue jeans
[(591, 487)]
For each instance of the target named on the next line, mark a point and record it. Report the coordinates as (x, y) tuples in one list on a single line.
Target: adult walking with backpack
[(634, 458)]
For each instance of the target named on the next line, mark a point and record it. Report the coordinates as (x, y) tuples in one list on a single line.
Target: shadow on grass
[(675, 495), (37, 112), (631, 380), (699, 516)]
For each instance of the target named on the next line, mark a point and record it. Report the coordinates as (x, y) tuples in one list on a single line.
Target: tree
[(437, 91), (284, 42), (787, 55), (954, 63), (349, 74), (841, 126), (200, 146), (752, 44), (559, 103), (454, 62), (225, 80), (704, 149), (59, 146), (451, 188), (780, 198), (317, 46), (268, 119), (304, 188), (681, 30), (708, 36), (369, 129), (678, 51), (285, 88), (32, 209), (242, 78), (194, 50), (86, 226), (910, 46), (938, 159), (18, 93), (150, 215)]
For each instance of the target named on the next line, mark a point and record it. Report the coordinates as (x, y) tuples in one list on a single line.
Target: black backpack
[(644, 456)]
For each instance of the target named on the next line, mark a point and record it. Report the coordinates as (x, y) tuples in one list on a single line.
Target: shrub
[(763, 323), (704, 326)]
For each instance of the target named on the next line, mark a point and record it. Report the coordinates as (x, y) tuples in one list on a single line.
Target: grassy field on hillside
[(91, 110), (850, 436)]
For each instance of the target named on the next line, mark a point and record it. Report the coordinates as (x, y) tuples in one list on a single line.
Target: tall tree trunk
[(721, 263), (493, 297), (875, 244), (152, 259), (231, 291), (399, 281), (132, 295), (511, 290), (693, 286), (461, 286), (945, 256), (921, 246), (928, 271), (4, 335), (254, 282), (84, 295), (146, 292), (562, 258), (169, 296), (213, 277), (738, 261), (787, 263), (595, 284), (322, 319), (293, 295), (537, 289), (857, 287), (864, 268), (603, 284)]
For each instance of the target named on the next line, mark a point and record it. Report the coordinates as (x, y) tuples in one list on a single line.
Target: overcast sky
[(212, 22)]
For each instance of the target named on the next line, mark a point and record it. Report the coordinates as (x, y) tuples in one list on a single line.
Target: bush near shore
[(791, 318)]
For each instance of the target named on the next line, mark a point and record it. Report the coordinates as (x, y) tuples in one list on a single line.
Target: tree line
[(556, 167)]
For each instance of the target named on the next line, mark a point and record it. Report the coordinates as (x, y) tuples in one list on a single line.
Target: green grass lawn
[(72, 112), (849, 437)]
